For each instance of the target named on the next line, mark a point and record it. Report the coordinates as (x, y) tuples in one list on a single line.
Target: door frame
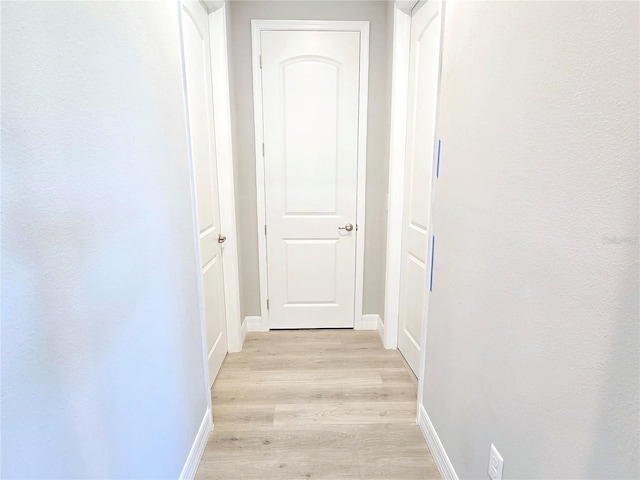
[(257, 27), (397, 158)]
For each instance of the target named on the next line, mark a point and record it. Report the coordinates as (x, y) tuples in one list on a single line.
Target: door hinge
[(263, 149), (267, 304), (265, 230), (260, 62)]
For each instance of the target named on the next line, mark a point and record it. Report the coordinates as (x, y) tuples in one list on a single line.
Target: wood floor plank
[(314, 361), (345, 413), (396, 376), (228, 442), (321, 404), (396, 469), (294, 376), (318, 465), (247, 415), (223, 394)]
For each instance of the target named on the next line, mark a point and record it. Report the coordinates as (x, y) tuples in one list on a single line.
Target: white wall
[(532, 337), (240, 15), (102, 368)]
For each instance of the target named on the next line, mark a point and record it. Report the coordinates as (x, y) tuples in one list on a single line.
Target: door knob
[(221, 238), (348, 227)]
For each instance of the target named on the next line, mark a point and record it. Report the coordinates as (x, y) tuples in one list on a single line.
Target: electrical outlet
[(495, 464)]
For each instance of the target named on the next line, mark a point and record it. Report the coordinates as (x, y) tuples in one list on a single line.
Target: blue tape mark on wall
[(438, 162), (433, 244)]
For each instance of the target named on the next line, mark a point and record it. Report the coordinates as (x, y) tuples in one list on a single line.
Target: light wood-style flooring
[(318, 404)]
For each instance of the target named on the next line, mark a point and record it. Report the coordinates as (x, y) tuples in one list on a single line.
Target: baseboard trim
[(197, 449), (381, 329), (254, 324), (244, 329), (369, 321), (439, 454)]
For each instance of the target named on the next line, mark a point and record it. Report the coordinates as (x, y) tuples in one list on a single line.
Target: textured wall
[(240, 15), (532, 337), (102, 368)]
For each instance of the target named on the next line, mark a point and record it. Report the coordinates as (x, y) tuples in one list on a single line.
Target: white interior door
[(310, 102), (199, 93), (423, 81)]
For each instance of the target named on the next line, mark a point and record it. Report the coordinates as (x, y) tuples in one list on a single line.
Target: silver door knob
[(348, 227), (221, 238)]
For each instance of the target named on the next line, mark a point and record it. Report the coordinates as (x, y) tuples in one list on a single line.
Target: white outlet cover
[(495, 464)]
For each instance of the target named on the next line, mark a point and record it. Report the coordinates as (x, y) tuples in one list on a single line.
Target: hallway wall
[(102, 370), (239, 27), (532, 336)]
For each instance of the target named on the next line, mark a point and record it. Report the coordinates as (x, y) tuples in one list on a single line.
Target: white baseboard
[(369, 321), (254, 324), (435, 446), (197, 449), (381, 329), (244, 329)]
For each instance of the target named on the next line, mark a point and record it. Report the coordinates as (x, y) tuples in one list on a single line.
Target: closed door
[(423, 81), (310, 102), (198, 79)]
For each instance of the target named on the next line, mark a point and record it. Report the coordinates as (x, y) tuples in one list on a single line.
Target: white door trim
[(257, 26), (397, 156), (224, 155)]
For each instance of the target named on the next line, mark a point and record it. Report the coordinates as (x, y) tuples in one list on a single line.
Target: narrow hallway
[(315, 404)]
